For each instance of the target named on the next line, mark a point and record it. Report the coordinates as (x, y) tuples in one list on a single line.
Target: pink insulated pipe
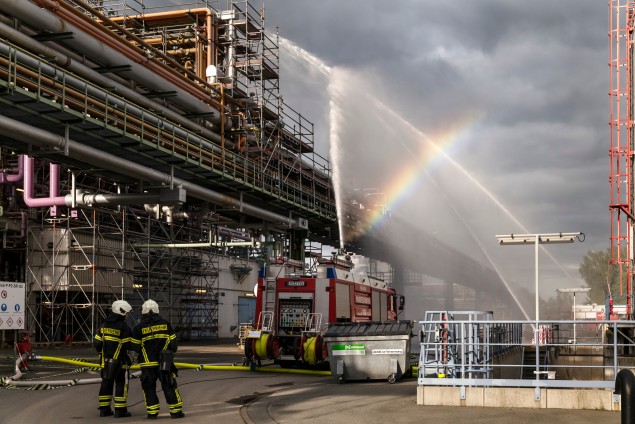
[(53, 199)]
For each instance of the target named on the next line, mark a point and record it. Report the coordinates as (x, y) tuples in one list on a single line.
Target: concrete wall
[(515, 397), (511, 357), (579, 363)]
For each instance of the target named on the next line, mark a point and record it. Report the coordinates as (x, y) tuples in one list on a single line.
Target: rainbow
[(406, 182)]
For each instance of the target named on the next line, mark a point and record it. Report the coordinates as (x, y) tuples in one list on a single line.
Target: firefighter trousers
[(149, 377), (120, 384)]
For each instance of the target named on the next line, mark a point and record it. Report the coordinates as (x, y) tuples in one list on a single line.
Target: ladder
[(270, 295), (313, 323), (437, 338)]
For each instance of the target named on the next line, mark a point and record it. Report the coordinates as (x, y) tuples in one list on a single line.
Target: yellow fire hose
[(182, 365), (14, 381), (185, 365), (261, 346), (309, 355), (309, 351), (69, 361)]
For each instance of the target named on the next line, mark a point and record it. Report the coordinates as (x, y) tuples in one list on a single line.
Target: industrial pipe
[(157, 79), (82, 86), (214, 137), (211, 39), (77, 198), (114, 101), (33, 202), (190, 76), (210, 243), (625, 386), (32, 135), (98, 31), (173, 15), (85, 72), (165, 15)]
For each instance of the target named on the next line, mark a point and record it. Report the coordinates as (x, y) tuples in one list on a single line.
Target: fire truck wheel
[(301, 348), (325, 351), (319, 348), (297, 348), (249, 348), (273, 347)]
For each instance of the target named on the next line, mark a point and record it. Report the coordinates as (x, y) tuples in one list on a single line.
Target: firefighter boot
[(179, 414), (105, 412), (122, 413)]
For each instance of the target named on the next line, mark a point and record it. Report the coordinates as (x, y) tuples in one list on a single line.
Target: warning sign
[(12, 306)]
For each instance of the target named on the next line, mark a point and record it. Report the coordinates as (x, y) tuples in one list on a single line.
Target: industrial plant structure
[(132, 139), (148, 153)]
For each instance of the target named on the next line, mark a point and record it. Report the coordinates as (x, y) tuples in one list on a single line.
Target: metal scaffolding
[(80, 262), (175, 117)]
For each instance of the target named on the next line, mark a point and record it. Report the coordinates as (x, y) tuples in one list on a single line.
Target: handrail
[(31, 76), (485, 353)]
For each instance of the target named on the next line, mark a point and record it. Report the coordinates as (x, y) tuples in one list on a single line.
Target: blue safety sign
[(12, 301)]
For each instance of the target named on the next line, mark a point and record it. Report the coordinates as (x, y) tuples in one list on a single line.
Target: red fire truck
[(294, 309)]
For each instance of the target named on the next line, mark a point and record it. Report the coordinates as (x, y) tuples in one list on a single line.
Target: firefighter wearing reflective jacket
[(112, 342), (155, 341)]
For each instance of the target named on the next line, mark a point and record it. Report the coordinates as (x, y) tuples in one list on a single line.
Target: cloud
[(535, 75)]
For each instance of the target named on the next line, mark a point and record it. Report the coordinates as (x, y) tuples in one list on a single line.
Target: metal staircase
[(455, 344)]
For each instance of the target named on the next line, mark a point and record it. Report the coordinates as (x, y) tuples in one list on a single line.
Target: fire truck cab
[(294, 309)]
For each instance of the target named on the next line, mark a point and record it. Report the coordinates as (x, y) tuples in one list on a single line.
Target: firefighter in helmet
[(112, 342), (155, 342)]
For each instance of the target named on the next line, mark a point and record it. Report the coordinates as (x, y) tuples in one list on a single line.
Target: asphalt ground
[(248, 397)]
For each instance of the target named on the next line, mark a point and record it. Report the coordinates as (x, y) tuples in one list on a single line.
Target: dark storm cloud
[(536, 74)]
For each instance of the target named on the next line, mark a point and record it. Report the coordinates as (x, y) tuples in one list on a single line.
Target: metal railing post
[(624, 386), (615, 348)]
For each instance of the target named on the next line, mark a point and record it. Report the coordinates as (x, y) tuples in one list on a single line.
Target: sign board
[(387, 351), (12, 306), (348, 349), (254, 334)]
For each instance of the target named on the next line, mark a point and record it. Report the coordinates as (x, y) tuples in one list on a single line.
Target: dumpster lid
[(369, 328)]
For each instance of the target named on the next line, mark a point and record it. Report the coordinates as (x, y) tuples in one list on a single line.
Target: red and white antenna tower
[(621, 149)]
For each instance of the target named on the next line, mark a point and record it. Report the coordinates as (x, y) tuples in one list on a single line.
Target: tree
[(601, 276)]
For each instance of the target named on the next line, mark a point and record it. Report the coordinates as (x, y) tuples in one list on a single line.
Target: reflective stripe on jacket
[(113, 338), (152, 335)]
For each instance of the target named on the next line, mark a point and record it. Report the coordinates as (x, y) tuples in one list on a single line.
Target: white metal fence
[(471, 349)]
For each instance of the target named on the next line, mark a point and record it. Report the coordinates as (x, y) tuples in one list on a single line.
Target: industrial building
[(147, 152)]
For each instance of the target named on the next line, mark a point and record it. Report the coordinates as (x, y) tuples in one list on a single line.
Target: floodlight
[(536, 239)]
